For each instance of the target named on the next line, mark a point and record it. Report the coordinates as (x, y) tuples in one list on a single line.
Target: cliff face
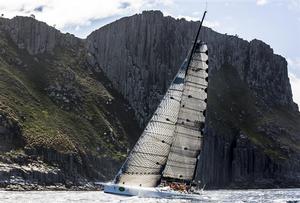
[(141, 54), (37, 37), (63, 118), (253, 128), (60, 121)]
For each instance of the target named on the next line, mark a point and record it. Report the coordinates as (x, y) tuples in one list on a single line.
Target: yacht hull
[(154, 192)]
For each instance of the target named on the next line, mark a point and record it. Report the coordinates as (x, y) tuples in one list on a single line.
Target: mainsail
[(171, 141), (187, 140)]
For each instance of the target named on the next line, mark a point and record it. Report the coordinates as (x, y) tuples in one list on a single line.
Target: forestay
[(187, 141)]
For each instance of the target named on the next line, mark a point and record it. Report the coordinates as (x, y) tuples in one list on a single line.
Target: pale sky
[(276, 22)]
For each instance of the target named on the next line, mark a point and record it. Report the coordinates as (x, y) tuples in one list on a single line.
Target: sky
[(276, 22)]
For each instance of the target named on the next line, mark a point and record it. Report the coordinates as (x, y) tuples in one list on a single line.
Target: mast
[(194, 46), (204, 14), (195, 41), (189, 61), (188, 134)]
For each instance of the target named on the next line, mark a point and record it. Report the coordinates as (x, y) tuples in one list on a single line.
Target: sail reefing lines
[(171, 141)]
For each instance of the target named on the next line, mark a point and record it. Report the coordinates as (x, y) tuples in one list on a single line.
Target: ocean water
[(278, 195)]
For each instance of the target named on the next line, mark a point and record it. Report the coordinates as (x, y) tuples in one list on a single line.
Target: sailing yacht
[(168, 149)]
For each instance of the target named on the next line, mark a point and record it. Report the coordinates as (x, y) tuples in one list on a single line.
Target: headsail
[(146, 161), (187, 141)]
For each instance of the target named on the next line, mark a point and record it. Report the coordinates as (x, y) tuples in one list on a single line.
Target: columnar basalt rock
[(35, 36), (142, 53), (252, 131), (59, 120)]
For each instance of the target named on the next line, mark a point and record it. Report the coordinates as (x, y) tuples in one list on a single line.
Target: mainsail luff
[(146, 161), (187, 141)]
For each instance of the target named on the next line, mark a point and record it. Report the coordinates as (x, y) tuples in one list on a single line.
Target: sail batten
[(187, 140)]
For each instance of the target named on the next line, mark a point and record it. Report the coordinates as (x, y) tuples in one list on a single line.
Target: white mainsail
[(171, 141), (187, 140)]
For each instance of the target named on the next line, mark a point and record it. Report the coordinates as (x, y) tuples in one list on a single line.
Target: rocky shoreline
[(37, 175), (90, 186), (22, 172)]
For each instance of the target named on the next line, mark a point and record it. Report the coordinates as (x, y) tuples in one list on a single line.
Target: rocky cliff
[(253, 132), (37, 37), (61, 123), (141, 54), (69, 108)]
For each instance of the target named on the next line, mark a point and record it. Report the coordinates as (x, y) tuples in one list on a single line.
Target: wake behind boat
[(163, 161)]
